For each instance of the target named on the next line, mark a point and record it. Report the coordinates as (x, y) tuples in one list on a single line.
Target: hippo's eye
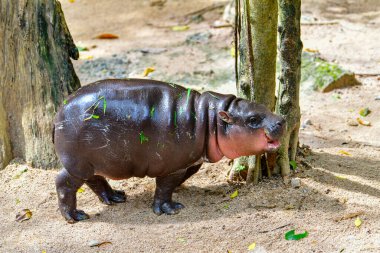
[(254, 121)]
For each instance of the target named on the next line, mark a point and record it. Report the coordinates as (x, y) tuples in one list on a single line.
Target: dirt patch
[(333, 183)]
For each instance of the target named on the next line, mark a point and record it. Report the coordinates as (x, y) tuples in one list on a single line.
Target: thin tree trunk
[(290, 49), (255, 39), (36, 75)]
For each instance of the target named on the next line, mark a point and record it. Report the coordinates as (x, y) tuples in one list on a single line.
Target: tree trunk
[(255, 41), (36, 75), (290, 49)]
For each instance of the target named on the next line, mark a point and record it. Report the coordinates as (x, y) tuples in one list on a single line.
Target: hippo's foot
[(168, 208), (110, 198), (75, 215), (106, 194)]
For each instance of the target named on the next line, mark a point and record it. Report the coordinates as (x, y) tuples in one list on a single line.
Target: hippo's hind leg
[(67, 187), (104, 191)]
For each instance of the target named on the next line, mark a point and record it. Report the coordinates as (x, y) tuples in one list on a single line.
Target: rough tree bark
[(255, 41), (290, 48), (36, 74)]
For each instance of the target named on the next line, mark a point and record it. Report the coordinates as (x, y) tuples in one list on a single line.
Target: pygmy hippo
[(136, 127)]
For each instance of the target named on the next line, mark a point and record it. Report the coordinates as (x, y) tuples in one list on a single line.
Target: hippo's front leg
[(165, 186)]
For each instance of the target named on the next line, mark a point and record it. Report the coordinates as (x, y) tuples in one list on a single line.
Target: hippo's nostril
[(280, 123)]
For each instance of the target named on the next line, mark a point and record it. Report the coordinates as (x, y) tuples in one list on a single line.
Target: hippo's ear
[(226, 117)]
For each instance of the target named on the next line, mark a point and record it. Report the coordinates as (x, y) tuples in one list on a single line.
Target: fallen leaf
[(85, 56), (180, 28), (81, 49), (234, 194), (24, 215), (232, 51), (181, 239), (80, 190), (65, 102), (95, 243), (358, 222), (340, 177), (342, 152), (349, 216), (71, 1), (18, 201), (148, 70), (363, 122), (22, 171), (364, 112), (291, 235), (107, 36), (252, 246), (310, 50), (43, 251), (336, 96)]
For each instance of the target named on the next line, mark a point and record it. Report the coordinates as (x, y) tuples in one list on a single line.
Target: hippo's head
[(250, 129)]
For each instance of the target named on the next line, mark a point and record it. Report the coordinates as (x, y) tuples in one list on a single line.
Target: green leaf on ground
[(240, 167), (252, 246), (234, 194), (18, 175), (291, 235), (364, 112), (65, 102), (180, 28), (293, 165), (358, 222)]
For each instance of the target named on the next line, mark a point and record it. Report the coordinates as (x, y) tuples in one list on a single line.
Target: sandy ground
[(333, 185)]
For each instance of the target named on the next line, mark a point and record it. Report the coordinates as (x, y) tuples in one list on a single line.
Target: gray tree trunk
[(290, 49), (256, 45), (36, 75)]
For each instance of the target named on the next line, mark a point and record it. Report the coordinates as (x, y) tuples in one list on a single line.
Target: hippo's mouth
[(272, 144)]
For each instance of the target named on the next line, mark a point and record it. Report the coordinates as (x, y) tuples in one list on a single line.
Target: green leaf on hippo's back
[(293, 165), (364, 112), (291, 235), (104, 105), (152, 112), (234, 194), (143, 138)]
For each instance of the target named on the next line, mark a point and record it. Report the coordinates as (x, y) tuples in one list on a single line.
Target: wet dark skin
[(136, 127)]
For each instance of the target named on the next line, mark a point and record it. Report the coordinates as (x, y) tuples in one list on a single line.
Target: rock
[(295, 182), (377, 98), (324, 76), (352, 122), (306, 122), (201, 37)]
